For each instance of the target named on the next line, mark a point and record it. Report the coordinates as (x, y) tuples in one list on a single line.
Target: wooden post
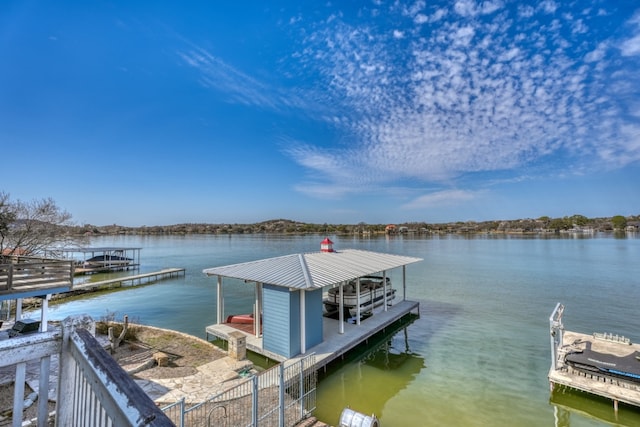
[(18, 309), (18, 393), (43, 392), (66, 376), (44, 318)]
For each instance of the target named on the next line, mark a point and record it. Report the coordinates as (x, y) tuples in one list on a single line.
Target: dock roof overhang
[(313, 270)]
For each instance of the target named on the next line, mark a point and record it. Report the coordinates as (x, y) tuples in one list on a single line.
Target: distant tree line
[(541, 225), (28, 228)]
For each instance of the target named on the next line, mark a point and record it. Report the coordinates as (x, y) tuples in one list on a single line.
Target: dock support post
[(18, 309), (615, 405), (220, 302), (341, 308), (556, 330), (404, 283), (257, 315), (44, 315), (358, 301), (384, 290)]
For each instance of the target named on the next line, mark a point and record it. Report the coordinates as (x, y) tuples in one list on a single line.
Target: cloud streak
[(240, 87), (439, 199), (475, 87)]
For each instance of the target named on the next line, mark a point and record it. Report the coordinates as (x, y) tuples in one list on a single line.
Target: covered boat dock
[(289, 318), (101, 259)]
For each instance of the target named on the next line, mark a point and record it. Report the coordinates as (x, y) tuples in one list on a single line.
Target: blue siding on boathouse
[(281, 320), (313, 320)]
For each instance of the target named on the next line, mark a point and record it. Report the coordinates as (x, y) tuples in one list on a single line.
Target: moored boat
[(100, 261), (605, 364), (372, 294)]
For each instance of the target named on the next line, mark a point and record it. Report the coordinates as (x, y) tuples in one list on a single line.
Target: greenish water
[(478, 355)]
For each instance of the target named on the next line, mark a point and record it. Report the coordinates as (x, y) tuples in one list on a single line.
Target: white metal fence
[(279, 397), (92, 389)]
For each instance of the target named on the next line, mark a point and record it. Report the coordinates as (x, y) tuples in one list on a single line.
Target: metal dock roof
[(313, 270)]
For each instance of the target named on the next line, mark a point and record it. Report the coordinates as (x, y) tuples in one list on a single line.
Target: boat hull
[(101, 261)]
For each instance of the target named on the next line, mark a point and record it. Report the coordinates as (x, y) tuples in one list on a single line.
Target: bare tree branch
[(31, 227)]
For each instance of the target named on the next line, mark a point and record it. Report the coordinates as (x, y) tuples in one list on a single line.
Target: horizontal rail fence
[(93, 390), (35, 275), (278, 397)]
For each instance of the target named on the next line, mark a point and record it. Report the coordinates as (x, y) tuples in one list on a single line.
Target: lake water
[(477, 356)]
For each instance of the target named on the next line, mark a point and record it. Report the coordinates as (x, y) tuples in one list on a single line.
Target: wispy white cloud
[(218, 75), (445, 198), (469, 95), (631, 46), (242, 88)]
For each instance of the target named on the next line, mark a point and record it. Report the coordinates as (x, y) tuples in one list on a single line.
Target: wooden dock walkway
[(138, 279)]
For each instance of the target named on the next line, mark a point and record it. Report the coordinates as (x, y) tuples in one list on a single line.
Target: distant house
[(391, 229), (632, 226), (14, 252)]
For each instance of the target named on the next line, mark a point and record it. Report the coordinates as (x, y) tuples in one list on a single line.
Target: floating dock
[(334, 344), (625, 390)]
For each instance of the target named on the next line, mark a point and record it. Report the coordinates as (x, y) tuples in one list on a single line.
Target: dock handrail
[(556, 330)]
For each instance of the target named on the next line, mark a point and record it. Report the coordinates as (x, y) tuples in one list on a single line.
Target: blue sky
[(153, 113)]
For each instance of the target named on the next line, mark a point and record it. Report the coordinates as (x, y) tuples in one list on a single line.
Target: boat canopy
[(313, 270)]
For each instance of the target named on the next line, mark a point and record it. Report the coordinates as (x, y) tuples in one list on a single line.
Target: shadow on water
[(568, 402), (366, 378)]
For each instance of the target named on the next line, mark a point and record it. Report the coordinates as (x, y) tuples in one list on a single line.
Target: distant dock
[(138, 279), (625, 389)]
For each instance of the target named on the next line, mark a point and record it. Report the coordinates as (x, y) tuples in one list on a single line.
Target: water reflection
[(567, 402), (371, 374)]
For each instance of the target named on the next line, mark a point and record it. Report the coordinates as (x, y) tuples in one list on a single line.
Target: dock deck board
[(334, 344), (615, 389), (120, 281)]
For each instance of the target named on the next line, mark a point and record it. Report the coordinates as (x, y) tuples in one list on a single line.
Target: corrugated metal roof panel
[(313, 270)]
